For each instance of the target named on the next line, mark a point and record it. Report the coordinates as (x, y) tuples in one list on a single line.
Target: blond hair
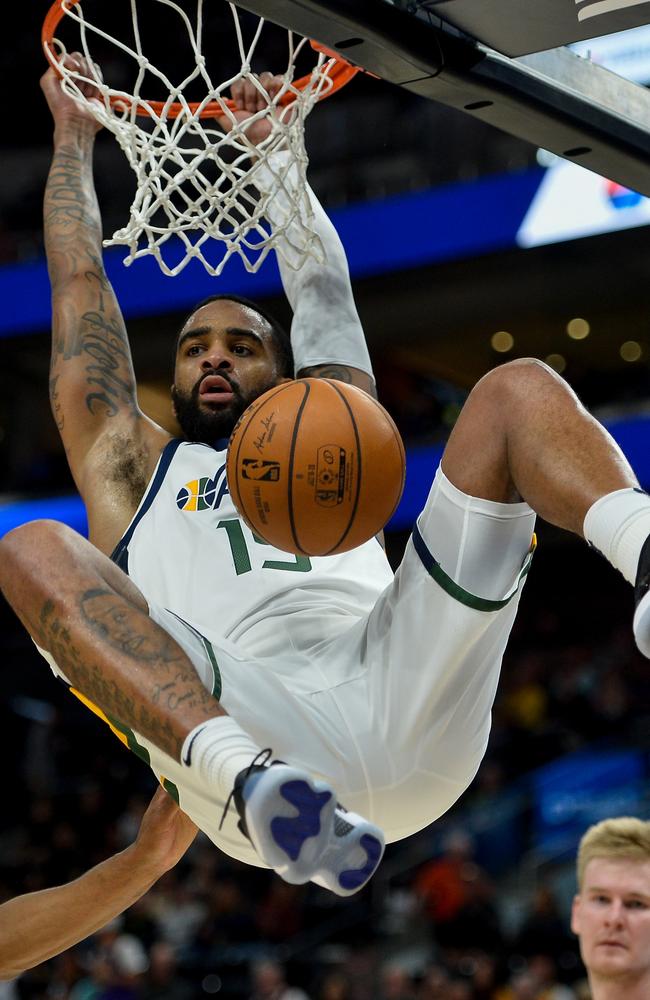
[(622, 837)]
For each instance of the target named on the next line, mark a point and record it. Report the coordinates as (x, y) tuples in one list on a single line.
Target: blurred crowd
[(215, 927), (431, 926)]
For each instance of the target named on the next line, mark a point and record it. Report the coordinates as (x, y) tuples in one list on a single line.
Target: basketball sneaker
[(296, 826), (641, 623)]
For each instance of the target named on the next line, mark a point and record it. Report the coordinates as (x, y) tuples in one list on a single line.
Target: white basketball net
[(197, 184)]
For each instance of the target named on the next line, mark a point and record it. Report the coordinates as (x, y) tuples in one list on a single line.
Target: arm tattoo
[(338, 372), (88, 329), (55, 402), (109, 367), (71, 215), (149, 680), (342, 373)]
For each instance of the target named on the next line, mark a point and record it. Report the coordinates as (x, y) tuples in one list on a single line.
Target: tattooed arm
[(92, 383)]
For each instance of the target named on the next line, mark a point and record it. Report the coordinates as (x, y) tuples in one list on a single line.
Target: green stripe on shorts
[(209, 650), (435, 570)]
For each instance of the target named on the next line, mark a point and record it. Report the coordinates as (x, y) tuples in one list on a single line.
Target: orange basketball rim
[(339, 72)]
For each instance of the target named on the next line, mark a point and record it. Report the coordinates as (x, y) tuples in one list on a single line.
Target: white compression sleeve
[(326, 328)]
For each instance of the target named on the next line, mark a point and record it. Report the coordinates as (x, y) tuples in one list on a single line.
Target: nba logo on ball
[(199, 494), (331, 474), (260, 469)]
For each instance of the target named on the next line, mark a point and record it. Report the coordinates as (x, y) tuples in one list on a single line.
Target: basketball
[(315, 466)]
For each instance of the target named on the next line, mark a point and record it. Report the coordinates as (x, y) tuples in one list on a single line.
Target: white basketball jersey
[(188, 550)]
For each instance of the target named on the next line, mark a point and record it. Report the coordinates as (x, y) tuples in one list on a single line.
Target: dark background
[(572, 680)]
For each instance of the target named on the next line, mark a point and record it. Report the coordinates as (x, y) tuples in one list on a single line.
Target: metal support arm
[(555, 100)]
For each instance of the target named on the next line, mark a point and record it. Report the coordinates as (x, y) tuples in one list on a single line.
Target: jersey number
[(241, 558)]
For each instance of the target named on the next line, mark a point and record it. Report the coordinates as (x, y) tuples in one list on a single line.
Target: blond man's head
[(622, 837), (611, 910)]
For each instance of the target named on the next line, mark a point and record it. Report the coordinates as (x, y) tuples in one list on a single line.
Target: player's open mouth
[(215, 389)]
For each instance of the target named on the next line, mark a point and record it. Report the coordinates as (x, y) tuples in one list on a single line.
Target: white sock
[(216, 751), (618, 525)]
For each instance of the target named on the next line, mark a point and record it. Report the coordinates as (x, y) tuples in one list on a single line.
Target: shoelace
[(260, 760)]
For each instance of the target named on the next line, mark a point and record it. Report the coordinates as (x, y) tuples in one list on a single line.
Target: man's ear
[(172, 402), (575, 914)]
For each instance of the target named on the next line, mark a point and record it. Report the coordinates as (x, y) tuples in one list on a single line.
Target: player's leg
[(433, 646), (82, 610), (523, 433)]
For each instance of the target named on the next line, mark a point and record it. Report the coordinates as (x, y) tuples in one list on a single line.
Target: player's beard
[(208, 424)]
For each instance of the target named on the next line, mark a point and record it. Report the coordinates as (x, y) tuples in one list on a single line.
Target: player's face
[(611, 915), (226, 359)]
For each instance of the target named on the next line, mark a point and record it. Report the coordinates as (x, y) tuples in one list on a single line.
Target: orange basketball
[(315, 466)]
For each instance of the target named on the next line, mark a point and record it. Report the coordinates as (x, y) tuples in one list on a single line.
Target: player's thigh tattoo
[(126, 628), (173, 683)]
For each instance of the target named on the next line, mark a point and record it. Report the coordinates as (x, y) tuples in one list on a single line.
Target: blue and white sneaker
[(297, 827), (641, 623)]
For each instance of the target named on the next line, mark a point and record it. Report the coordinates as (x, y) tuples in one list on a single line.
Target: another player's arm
[(92, 383), (42, 924)]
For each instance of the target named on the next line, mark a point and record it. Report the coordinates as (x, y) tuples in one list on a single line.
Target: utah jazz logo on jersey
[(204, 493), (198, 494)]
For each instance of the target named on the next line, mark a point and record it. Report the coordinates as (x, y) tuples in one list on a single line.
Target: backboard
[(519, 27), (502, 61)]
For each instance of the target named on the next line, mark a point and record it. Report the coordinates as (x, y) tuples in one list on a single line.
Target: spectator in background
[(280, 914), (269, 983), (116, 963), (477, 925), (485, 976), (458, 898), (163, 981), (335, 986), (543, 968), (459, 989), (611, 911), (523, 985), (441, 885), (396, 983), (435, 984), (544, 930), (177, 911)]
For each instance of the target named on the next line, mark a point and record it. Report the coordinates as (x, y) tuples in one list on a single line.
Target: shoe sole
[(353, 856), (296, 828), (641, 625)]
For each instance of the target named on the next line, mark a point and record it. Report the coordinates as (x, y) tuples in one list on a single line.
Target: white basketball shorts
[(394, 712)]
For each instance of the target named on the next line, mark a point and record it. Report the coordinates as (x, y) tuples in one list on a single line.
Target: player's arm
[(42, 924), (326, 333), (92, 383)]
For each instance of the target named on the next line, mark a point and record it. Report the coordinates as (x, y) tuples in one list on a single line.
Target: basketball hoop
[(197, 183)]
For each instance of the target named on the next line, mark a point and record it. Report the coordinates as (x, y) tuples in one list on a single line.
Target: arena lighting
[(502, 341), (556, 361), (578, 328), (630, 350)]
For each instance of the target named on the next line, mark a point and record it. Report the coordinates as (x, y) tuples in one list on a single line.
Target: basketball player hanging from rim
[(215, 656)]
